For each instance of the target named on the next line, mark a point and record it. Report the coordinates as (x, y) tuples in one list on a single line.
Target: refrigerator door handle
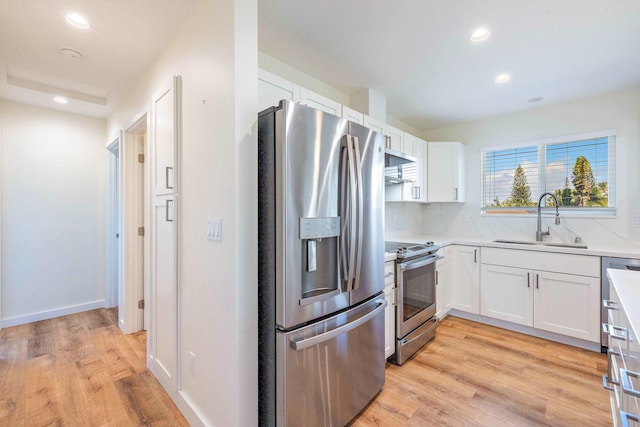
[(359, 209), (342, 249), (326, 336), (351, 207)]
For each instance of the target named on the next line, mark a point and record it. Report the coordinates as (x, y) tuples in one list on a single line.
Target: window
[(579, 171)]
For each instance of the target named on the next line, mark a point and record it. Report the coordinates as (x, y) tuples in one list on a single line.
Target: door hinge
[(140, 231), (141, 304), (140, 158)]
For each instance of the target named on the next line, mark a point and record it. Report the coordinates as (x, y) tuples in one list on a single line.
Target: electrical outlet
[(635, 220), (465, 216)]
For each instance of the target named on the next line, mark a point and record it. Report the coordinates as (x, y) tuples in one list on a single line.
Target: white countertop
[(445, 241), (627, 285), (389, 256)]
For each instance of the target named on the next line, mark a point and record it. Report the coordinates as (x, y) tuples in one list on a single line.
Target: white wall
[(53, 213), (620, 110), (215, 52)]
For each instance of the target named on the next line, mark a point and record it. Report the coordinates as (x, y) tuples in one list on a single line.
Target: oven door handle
[(410, 265)]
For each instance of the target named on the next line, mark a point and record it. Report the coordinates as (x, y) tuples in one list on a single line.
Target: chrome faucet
[(539, 232)]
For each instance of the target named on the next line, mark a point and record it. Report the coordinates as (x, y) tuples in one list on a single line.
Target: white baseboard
[(551, 336), (50, 314), (182, 401)]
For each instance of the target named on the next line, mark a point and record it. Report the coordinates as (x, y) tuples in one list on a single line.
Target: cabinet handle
[(166, 217), (537, 281), (456, 194), (625, 417), (166, 177), (610, 377), (610, 305), (528, 279), (616, 332), (625, 375), (475, 256), (436, 277)]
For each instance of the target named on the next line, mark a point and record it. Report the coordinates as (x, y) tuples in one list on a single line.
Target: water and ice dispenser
[(319, 242)]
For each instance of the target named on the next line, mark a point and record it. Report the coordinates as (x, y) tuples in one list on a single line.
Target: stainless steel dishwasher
[(619, 264)]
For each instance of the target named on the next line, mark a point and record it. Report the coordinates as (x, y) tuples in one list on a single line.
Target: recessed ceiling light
[(77, 21), (503, 78), (536, 99), (61, 100), (479, 35), (71, 53)]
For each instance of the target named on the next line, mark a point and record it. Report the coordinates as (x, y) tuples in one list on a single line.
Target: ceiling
[(124, 38), (417, 53)]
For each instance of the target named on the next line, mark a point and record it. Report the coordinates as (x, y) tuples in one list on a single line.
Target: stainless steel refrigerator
[(321, 267)]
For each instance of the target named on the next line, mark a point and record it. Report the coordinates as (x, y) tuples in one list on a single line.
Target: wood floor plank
[(71, 371), (473, 374)]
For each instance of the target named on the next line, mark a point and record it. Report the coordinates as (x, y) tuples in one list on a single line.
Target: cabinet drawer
[(389, 272), (582, 265)]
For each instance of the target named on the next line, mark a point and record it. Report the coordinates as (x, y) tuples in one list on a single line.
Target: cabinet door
[(466, 279), (396, 137), (415, 191), (506, 294), (375, 125), (390, 320), (320, 102), (165, 134), (352, 115), (445, 172), (567, 304), (271, 89), (164, 289), (443, 283)]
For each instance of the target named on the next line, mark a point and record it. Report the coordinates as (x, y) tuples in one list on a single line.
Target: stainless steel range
[(416, 308)]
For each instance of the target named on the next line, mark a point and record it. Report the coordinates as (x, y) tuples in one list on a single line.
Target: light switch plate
[(635, 220), (214, 229)]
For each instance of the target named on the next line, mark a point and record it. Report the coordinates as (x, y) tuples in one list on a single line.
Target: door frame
[(134, 259), (1, 256), (112, 222)]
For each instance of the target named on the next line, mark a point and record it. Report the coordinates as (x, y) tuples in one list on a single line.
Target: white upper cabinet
[(445, 172), (352, 115), (271, 89), (375, 125), (393, 138), (320, 102), (415, 191)]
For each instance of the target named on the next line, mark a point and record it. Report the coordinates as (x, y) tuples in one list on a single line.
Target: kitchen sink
[(534, 243)]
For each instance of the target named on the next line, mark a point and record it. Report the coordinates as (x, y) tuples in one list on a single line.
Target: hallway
[(79, 370)]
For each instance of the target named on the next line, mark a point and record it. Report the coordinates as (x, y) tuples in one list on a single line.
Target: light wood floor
[(477, 375), (79, 370)]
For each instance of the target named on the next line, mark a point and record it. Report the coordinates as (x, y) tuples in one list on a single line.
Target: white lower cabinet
[(506, 294), (554, 296), (567, 304), (390, 310), (466, 279), (443, 282)]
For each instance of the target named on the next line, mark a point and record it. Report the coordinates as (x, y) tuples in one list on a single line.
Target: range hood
[(399, 167), (396, 158)]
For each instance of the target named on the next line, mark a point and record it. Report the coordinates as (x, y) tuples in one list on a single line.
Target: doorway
[(112, 250), (134, 208)]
